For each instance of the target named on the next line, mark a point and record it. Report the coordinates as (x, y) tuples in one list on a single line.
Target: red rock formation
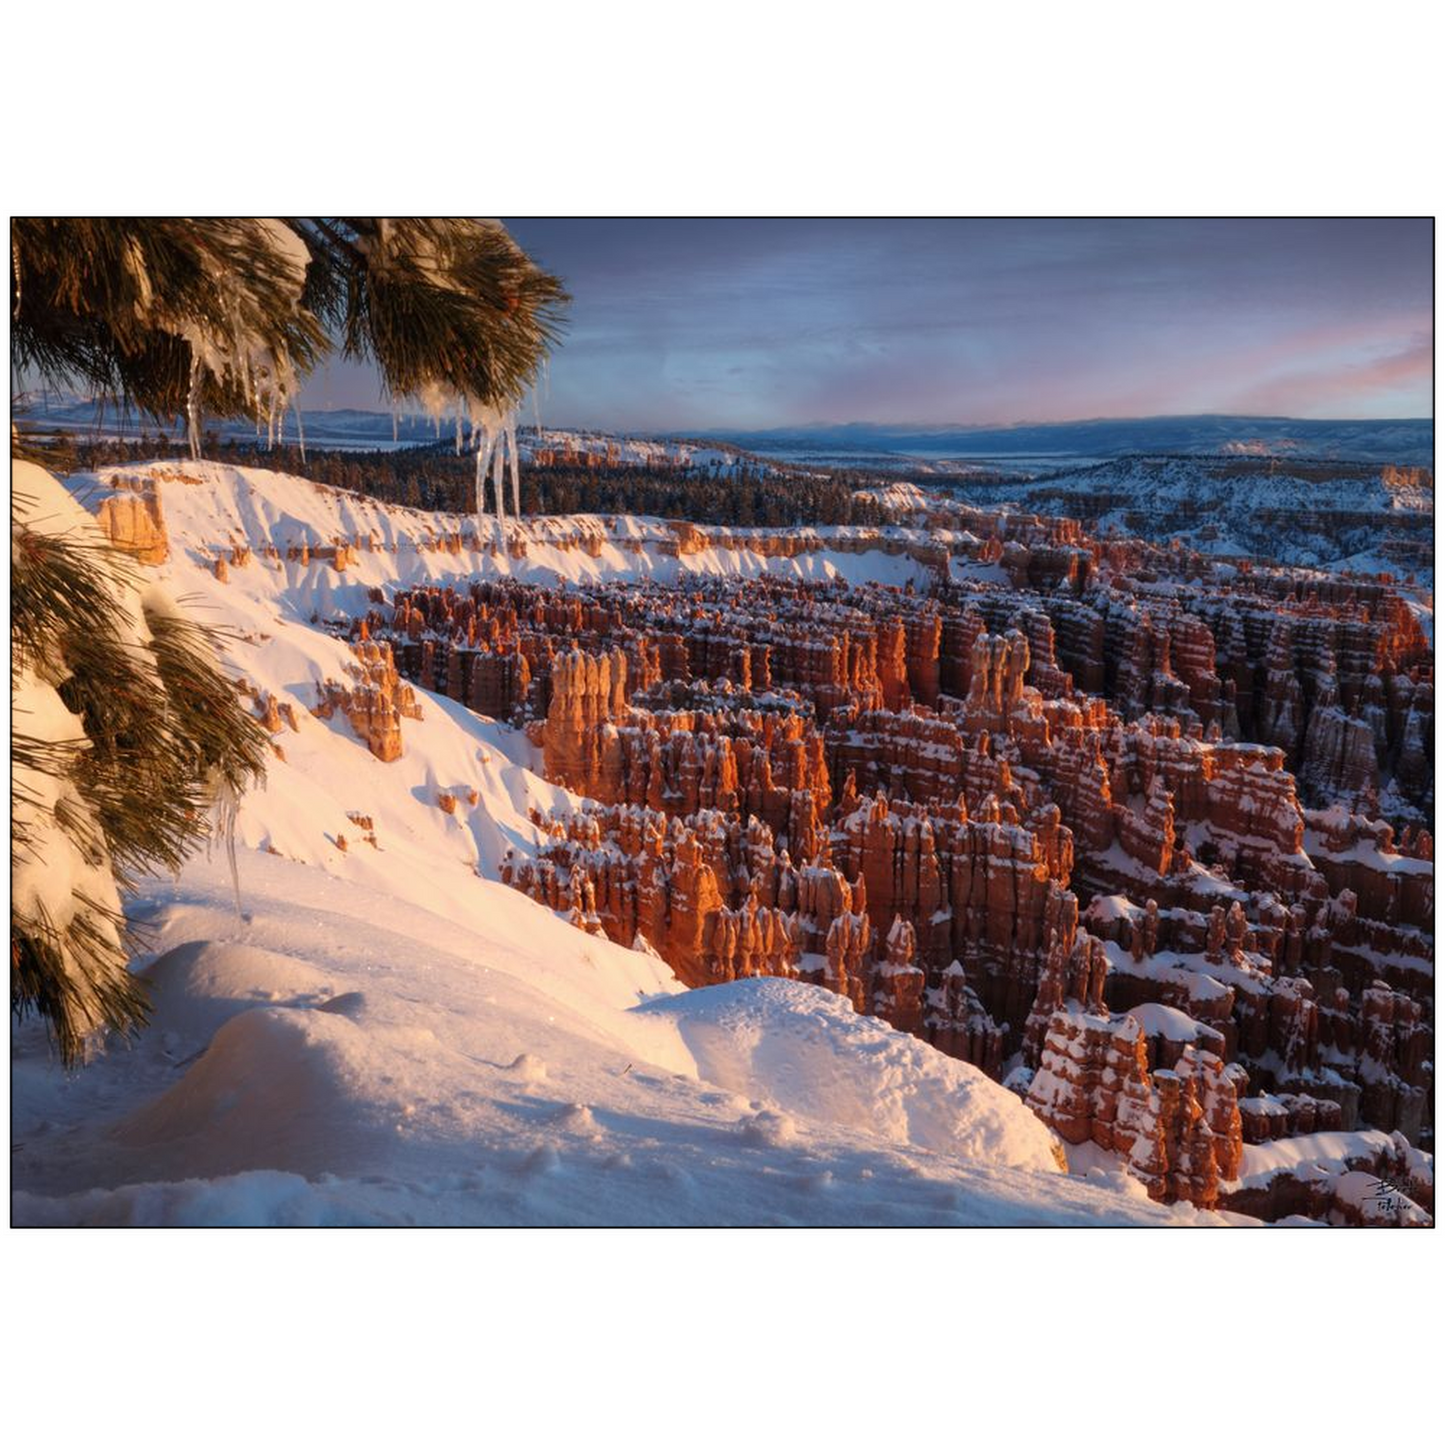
[(1179, 1129), (271, 715), (901, 797), (1284, 1116), (897, 981), (377, 702), (135, 525), (587, 691)]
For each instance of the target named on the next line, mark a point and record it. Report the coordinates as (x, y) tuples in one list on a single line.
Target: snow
[(390, 1035), (1326, 1149), (1110, 907), (1366, 851), (1349, 517), (1422, 604), (346, 1056), (47, 870), (208, 506), (800, 1046), (1173, 1024), (1206, 982)]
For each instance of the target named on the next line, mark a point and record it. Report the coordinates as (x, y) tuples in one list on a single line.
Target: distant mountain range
[(1409, 441), (340, 428), (1028, 446)]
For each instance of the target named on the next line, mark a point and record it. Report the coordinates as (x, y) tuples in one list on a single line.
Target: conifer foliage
[(226, 317), (128, 744)]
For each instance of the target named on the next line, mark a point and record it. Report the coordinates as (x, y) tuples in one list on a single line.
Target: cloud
[(690, 324), (1394, 382)]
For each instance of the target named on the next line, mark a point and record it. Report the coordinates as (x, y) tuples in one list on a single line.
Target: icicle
[(225, 809), (497, 483), (511, 432), (193, 407), (459, 428), (247, 377), (300, 435), (487, 443), (393, 426)]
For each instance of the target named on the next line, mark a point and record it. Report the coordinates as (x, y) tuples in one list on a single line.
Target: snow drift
[(804, 1050)]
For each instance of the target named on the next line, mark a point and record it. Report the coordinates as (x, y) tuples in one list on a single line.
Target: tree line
[(435, 478)]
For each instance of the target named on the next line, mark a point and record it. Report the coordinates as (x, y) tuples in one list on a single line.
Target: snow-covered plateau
[(383, 1033), (1303, 512)]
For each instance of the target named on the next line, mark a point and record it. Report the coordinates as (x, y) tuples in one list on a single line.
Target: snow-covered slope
[(344, 1056), (208, 506), (266, 611), (386, 1034)]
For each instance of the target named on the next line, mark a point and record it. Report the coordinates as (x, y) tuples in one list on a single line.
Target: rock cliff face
[(1146, 836), (134, 524), (1178, 1129), (374, 702)]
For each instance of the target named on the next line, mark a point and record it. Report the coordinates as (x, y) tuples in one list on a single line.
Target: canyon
[(1138, 832), (1144, 838)]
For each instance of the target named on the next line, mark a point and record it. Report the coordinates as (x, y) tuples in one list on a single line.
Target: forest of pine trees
[(435, 478)]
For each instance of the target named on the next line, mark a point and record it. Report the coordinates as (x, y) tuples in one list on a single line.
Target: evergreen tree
[(126, 738), (128, 742)]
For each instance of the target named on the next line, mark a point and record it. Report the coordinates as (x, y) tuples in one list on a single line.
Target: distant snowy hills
[(1300, 512), (353, 430), (103, 417), (1030, 447), (1042, 446)]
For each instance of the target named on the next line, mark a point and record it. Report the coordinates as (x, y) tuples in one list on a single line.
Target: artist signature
[(1386, 1198)]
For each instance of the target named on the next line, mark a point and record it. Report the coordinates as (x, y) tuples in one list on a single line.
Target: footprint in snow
[(542, 1160), (348, 1005), (767, 1129), (529, 1068), (578, 1119)]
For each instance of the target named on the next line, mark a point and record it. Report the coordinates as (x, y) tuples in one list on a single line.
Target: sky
[(750, 324)]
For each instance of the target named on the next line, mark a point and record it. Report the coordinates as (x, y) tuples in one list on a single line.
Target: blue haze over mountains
[(1407, 441)]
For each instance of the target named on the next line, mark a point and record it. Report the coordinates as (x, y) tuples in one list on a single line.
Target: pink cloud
[(1341, 387)]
